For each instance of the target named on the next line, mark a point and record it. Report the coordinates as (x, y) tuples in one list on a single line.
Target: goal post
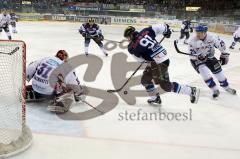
[(15, 136)]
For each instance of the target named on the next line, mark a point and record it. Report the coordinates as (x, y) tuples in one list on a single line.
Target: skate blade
[(155, 104), (234, 92)]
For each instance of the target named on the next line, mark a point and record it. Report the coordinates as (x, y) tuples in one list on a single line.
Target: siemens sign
[(124, 21)]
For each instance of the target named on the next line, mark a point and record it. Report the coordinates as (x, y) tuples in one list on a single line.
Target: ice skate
[(231, 91), (155, 100), (216, 93), (194, 95)]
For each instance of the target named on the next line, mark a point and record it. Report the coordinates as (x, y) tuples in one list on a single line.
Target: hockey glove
[(202, 57), (167, 33), (224, 58), (101, 37), (81, 94)]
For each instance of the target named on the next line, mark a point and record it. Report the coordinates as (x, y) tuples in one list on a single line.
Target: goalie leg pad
[(62, 103)]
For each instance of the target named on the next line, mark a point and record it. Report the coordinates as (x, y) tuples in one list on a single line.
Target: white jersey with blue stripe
[(39, 72), (206, 46)]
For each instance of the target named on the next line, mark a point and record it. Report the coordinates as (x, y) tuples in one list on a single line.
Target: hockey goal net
[(15, 136)]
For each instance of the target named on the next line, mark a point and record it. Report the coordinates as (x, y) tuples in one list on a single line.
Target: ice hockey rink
[(213, 132)]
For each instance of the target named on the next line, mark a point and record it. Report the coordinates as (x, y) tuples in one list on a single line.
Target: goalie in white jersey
[(5, 20), (64, 88), (236, 38), (202, 48)]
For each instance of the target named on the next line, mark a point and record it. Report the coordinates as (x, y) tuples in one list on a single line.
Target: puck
[(125, 92)]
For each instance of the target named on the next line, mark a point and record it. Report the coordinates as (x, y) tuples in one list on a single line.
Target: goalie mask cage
[(15, 136)]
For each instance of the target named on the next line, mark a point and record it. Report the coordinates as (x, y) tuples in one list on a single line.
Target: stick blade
[(111, 91), (176, 47)]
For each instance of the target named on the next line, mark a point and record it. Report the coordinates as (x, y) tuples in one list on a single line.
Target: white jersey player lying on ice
[(236, 38), (202, 47), (64, 90)]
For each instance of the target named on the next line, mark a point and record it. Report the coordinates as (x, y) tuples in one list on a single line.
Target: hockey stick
[(161, 40), (12, 52), (117, 90), (92, 106), (180, 52)]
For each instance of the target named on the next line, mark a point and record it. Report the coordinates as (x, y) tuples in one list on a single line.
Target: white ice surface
[(212, 133)]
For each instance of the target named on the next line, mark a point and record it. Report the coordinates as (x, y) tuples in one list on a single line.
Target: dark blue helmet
[(201, 28), (129, 31)]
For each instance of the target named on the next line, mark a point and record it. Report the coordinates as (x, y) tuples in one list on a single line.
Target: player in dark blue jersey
[(91, 30), (185, 29), (144, 47)]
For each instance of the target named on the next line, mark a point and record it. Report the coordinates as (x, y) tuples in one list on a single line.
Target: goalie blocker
[(66, 89)]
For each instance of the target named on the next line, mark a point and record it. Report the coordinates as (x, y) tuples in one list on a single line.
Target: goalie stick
[(10, 53), (119, 89), (92, 106)]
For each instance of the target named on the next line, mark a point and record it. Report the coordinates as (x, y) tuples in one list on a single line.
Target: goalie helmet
[(62, 55)]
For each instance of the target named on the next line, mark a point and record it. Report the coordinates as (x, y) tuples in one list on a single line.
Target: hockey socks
[(193, 92), (181, 89)]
